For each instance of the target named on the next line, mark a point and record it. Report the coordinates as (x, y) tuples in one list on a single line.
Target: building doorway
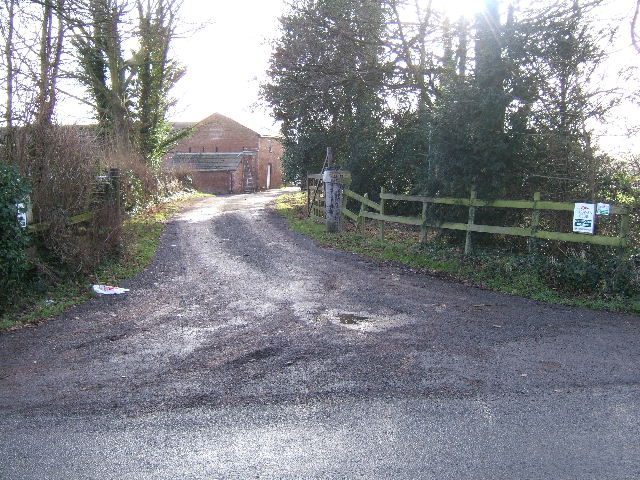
[(268, 176)]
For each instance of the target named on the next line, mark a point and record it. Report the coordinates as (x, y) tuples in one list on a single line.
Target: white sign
[(584, 216), (22, 214), (603, 209)]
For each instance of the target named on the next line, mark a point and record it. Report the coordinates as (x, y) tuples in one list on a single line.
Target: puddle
[(351, 319), (362, 321)]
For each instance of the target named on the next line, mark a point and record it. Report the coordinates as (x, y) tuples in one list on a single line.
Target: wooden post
[(535, 222), (472, 217), (423, 228), (334, 182), (308, 198), (329, 161), (381, 222), (624, 233), (344, 204), (361, 218), (114, 177)]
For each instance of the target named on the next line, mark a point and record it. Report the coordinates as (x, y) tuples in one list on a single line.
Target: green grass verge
[(509, 274), (141, 236)]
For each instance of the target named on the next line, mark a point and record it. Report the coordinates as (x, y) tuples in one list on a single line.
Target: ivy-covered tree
[(131, 96), (154, 73)]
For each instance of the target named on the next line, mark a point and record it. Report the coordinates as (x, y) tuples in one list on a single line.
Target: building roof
[(222, 120), (208, 161)]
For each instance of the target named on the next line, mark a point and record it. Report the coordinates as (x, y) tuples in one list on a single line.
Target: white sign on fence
[(22, 214), (603, 209), (584, 215)]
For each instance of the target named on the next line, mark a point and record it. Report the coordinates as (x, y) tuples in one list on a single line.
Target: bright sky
[(226, 60), (227, 44)]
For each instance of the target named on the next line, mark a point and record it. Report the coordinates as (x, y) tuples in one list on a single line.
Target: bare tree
[(634, 27), (9, 34), (52, 34)]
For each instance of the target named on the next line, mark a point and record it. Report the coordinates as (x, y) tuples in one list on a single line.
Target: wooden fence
[(112, 180), (533, 231)]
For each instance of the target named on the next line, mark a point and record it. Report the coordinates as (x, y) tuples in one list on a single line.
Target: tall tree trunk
[(10, 80), (490, 73), (51, 45)]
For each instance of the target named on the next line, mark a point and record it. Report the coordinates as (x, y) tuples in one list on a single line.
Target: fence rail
[(113, 179), (42, 226), (533, 231)]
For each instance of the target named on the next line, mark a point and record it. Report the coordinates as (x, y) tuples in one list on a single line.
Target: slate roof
[(208, 162)]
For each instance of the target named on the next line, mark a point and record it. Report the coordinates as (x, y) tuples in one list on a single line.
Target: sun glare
[(455, 9)]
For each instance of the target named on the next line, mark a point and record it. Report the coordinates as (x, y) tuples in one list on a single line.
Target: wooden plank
[(315, 176), (83, 217), (581, 238), (419, 198), (42, 226), (393, 219), (522, 204), (448, 225), (515, 231), (525, 232), (560, 206), (349, 214), (39, 227), (503, 203), (361, 199)]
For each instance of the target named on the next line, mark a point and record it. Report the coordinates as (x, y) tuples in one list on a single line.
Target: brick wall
[(218, 133), (213, 182), (269, 152)]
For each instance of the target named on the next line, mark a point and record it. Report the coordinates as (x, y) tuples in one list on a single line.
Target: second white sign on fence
[(584, 215)]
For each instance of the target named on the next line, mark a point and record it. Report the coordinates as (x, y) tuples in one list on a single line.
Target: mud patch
[(361, 320), (257, 355), (351, 319)]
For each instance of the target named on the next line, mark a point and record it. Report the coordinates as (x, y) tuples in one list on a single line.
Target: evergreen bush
[(14, 238)]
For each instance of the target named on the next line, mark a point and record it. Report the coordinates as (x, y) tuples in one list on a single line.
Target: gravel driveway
[(245, 351)]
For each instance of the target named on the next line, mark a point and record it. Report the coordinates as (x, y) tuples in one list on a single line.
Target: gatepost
[(335, 181)]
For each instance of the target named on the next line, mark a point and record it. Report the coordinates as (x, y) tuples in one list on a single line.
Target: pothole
[(362, 321), (352, 318)]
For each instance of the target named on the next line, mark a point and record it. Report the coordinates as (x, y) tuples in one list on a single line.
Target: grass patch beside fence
[(520, 275), (141, 236)]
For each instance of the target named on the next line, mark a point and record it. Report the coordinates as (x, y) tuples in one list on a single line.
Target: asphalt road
[(245, 351)]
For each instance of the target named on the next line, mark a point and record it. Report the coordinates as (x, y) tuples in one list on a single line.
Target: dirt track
[(236, 310)]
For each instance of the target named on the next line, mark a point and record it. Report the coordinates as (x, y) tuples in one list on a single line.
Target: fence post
[(472, 217), (308, 196), (535, 222), (344, 204), (624, 233), (423, 228), (361, 218), (114, 178), (381, 222)]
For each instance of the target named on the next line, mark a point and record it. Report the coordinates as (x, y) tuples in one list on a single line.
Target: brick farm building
[(223, 156)]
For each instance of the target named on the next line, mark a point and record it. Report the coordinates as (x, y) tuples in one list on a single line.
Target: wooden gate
[(315, 197)]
